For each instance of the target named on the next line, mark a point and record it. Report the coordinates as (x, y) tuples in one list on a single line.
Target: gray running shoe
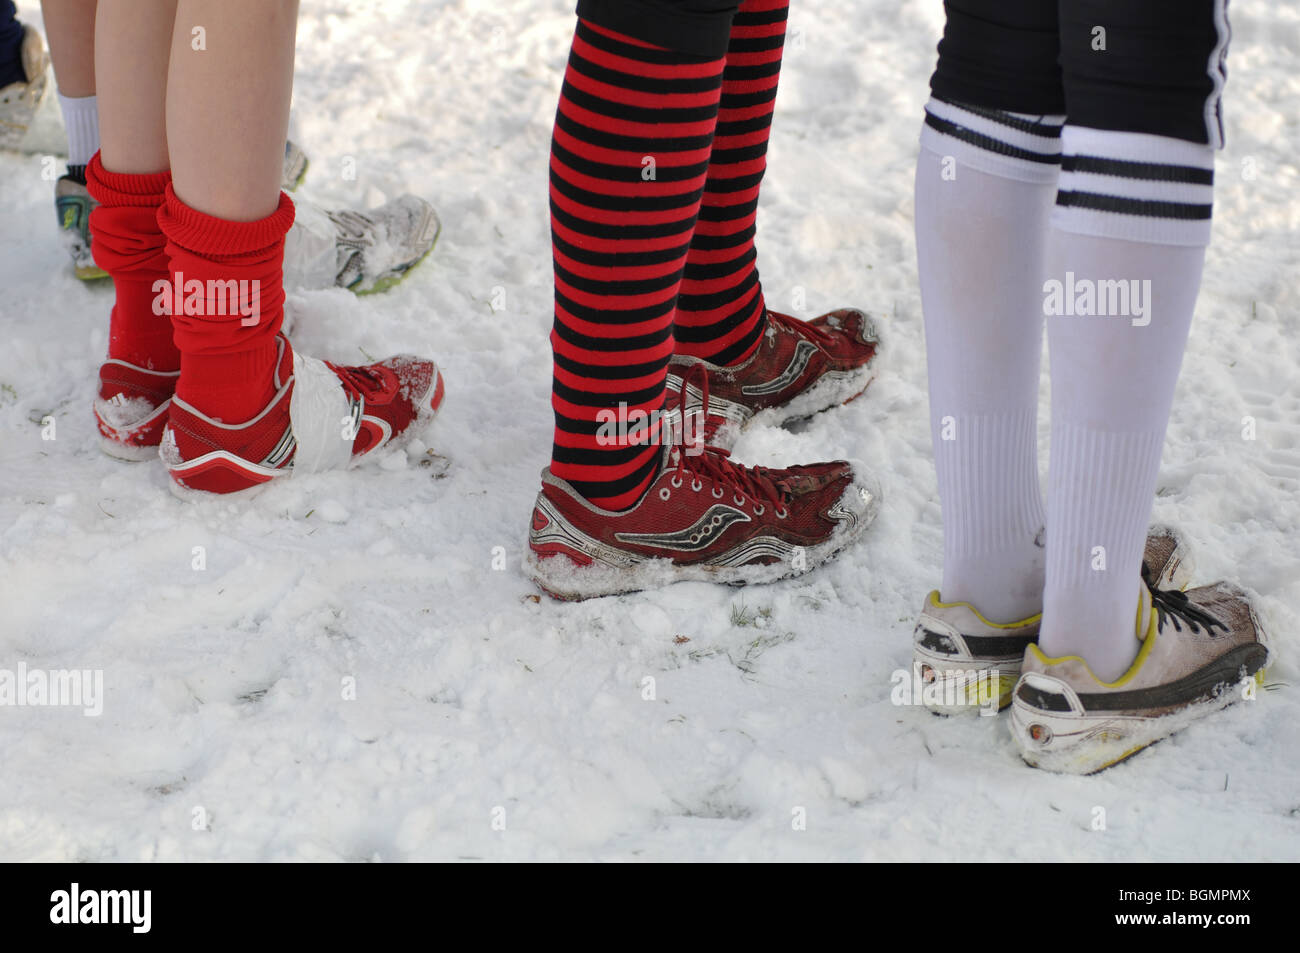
[(1201, 650)]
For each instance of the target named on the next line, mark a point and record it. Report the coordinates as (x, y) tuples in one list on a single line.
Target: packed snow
[(352, 666)]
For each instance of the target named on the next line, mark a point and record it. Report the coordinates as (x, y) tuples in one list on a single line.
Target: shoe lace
[(1174, 605), (357, 381), (803, 328), (759, 483), (354, 226)]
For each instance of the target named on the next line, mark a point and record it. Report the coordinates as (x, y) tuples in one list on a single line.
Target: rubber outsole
[(129, 454), (1075, 761), (89, 272)]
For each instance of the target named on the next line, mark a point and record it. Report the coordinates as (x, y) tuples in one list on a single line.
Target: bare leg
[(70, 31), (228, 104), (132, 45)]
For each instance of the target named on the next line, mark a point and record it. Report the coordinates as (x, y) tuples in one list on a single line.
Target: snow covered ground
[(490, 724)]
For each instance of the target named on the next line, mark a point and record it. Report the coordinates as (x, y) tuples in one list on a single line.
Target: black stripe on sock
[(658, 85), (627, 203), (1033, 127), (987, 143), (584, 398), (599, 230), (743, 127), (635, 259), (607, 172), (745, 18), (1148, 171), (1125, 206), (643, 145), (610, 372), (605, 316), (650, 115)]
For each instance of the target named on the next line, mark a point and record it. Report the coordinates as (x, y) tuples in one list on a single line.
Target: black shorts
[(697, 27), (1151, 66)]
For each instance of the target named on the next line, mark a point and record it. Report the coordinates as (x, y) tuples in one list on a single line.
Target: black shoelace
[(1175, 606)]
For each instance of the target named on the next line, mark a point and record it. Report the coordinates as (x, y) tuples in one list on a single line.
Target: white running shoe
[(19, 101), (1201, 650), (965, 660), (295, 166), (73, 205), (365, 252)]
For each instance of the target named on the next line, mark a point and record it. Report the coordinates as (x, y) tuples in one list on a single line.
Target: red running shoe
[(799, 369), (704, 518), (131, 409), (322, 417)]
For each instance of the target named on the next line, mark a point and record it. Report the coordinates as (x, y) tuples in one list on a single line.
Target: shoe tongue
[(671, 437), (355, 223)]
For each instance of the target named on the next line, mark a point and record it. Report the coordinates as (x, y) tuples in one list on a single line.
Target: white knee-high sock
[(985, 184), (1126, 248)]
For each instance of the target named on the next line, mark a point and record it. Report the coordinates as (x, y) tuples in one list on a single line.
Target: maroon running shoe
[(800, 368), (704, 518)]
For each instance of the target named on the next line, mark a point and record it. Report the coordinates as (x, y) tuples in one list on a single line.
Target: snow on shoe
[(131, 409), (799, 369), (377, 248), (323, 416), (704, 518)]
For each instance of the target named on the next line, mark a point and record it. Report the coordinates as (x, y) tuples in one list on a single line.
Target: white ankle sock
[(1131, 222), (985, 183), (81, 119)]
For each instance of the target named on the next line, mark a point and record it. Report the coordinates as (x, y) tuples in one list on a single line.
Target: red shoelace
[(802, 328), (757, 483), (357, 381)]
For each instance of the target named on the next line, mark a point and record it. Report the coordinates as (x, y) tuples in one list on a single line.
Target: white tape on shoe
[(320, 416)]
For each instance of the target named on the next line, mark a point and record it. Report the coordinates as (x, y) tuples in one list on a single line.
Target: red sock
[(127, 243), (226, 365), (720, 310)]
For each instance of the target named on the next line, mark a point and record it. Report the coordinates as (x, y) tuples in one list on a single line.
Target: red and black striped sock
[(720, 310), (629, 158)]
